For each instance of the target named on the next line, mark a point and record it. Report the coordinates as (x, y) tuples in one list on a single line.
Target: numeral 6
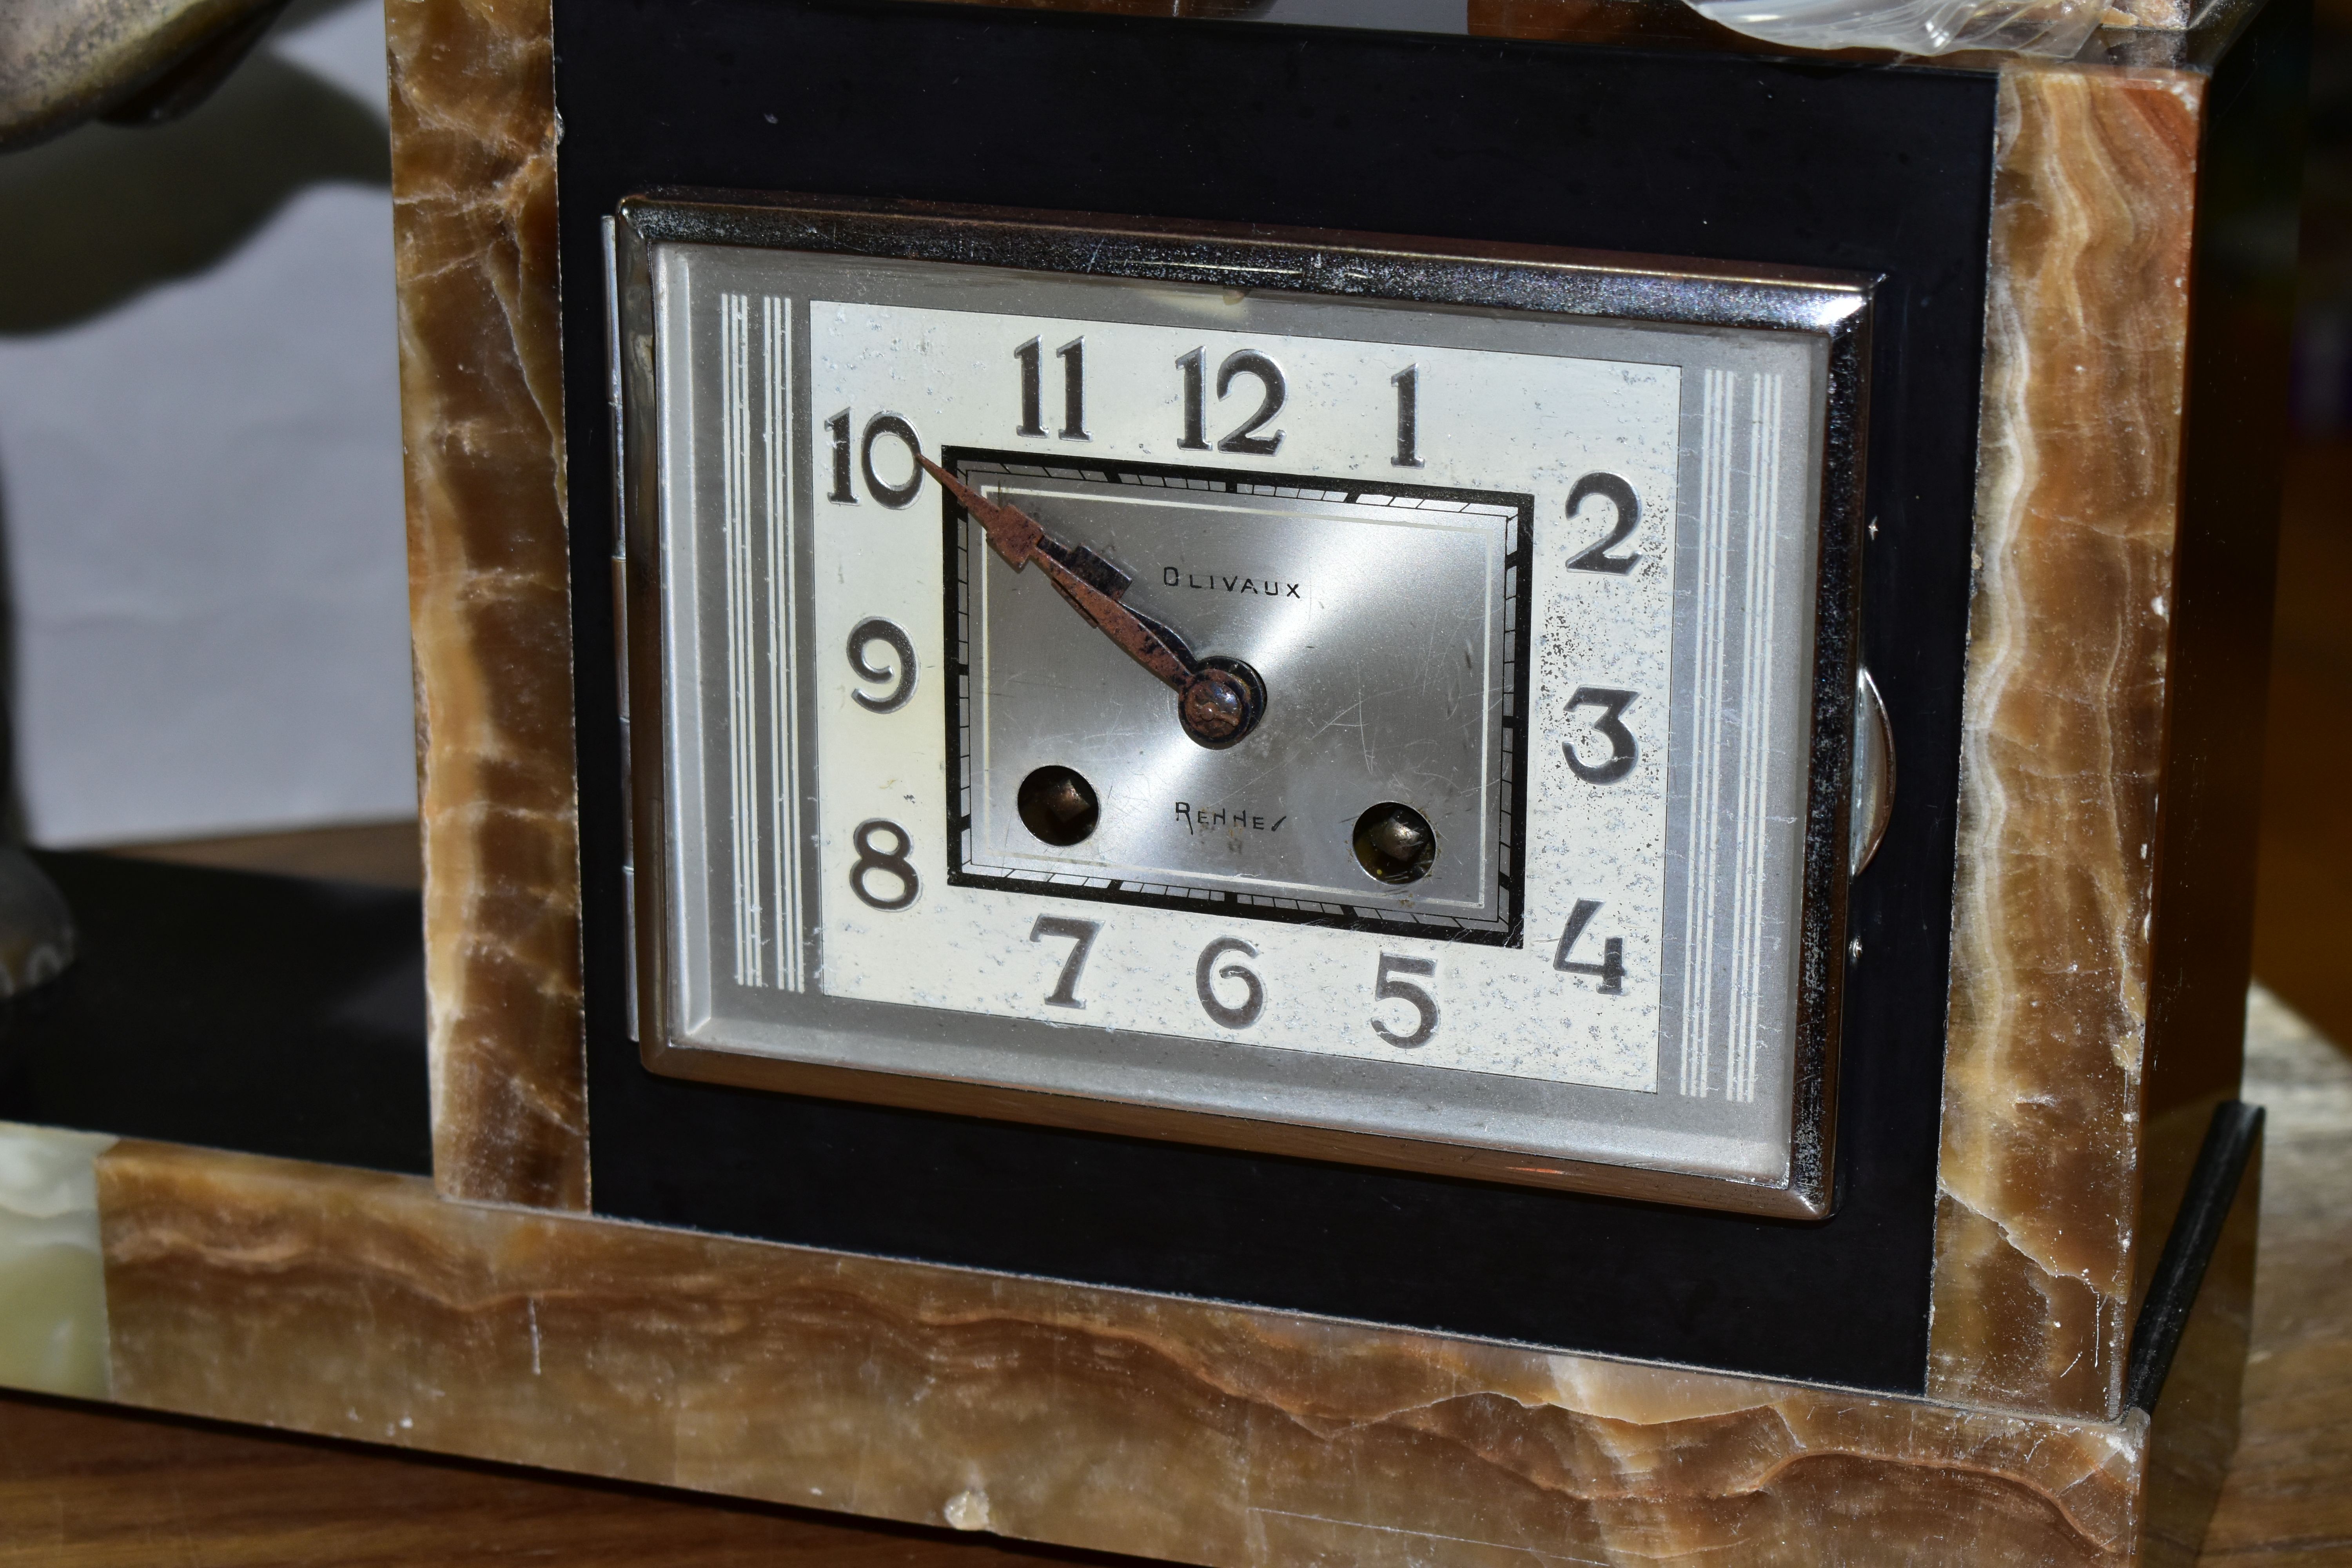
[(1253, 1003)]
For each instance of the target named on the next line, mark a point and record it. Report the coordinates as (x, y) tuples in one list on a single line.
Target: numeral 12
[(1272, 391)]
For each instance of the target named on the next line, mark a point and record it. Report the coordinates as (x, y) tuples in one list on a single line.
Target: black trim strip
[(2231, 1140)]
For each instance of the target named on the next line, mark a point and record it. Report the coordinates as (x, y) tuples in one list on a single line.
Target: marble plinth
[(363, 1306)]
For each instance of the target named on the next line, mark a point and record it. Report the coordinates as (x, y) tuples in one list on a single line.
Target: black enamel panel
[(271, 1015), (1683, 152)]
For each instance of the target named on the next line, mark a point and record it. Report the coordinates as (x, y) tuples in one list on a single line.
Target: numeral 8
[(894, 863)]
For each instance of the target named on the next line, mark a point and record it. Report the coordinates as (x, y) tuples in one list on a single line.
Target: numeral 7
[(1082, 932)]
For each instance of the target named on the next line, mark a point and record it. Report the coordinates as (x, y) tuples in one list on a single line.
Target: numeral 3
[(1609, 727)]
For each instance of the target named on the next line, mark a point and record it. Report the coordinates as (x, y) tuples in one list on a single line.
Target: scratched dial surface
[(1382, 628), (1524, 609), (1396, 677)]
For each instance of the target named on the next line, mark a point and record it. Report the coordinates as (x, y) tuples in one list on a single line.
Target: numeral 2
[(1618, 495), (1611, 970)]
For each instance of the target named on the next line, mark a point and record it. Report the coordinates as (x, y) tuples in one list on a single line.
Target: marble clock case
[(2046, 1189)]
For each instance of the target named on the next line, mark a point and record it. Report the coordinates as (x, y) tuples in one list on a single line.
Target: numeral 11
[(1073, 355)]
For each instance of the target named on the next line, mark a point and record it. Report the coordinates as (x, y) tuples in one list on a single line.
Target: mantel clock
[(1159, 769)]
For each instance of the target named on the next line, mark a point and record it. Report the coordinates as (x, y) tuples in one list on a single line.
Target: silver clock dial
[(1356, 714), (1381, 626)]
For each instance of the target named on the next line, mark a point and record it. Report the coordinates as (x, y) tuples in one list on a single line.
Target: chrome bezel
[(1832, 308)]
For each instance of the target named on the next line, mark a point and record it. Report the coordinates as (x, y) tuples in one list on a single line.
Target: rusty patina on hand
[(1217, 706), (66, 62)]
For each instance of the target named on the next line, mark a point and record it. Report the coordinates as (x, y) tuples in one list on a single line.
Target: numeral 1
[(1408, 385), (838, 428), (1195, 395), (1033, 411), (1073, 355)]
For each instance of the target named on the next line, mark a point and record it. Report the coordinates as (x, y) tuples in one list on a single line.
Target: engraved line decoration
[(782, 596), (1748, 932), (734, 470), (762, 716), (1698, 908), (1722, 989)]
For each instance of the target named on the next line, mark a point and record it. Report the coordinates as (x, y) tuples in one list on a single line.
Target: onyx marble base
[(362, 1305)]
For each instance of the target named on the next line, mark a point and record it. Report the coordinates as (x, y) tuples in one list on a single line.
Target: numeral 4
[(1611, 970)]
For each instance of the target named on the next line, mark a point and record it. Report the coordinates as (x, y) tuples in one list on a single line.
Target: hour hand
[(1217, 705)]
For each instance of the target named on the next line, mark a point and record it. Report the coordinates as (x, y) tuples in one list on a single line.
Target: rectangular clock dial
[(1310, 583), (1410, 724)]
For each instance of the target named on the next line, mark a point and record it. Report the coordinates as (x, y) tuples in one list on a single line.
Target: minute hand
[(1093, 586)]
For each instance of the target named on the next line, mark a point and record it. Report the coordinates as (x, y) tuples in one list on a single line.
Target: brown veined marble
[(473, 139), (362, 1306), (2064, 735)]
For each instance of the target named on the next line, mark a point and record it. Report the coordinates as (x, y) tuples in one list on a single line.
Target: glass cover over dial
[(1367, 714)]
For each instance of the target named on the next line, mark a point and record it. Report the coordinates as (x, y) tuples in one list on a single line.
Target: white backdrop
[(200, 507), (200, 500)]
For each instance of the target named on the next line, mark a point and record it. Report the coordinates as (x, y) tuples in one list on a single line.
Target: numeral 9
[(868, 632)]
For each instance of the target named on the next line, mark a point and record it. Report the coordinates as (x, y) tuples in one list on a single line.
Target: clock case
[(1096, 1091)]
